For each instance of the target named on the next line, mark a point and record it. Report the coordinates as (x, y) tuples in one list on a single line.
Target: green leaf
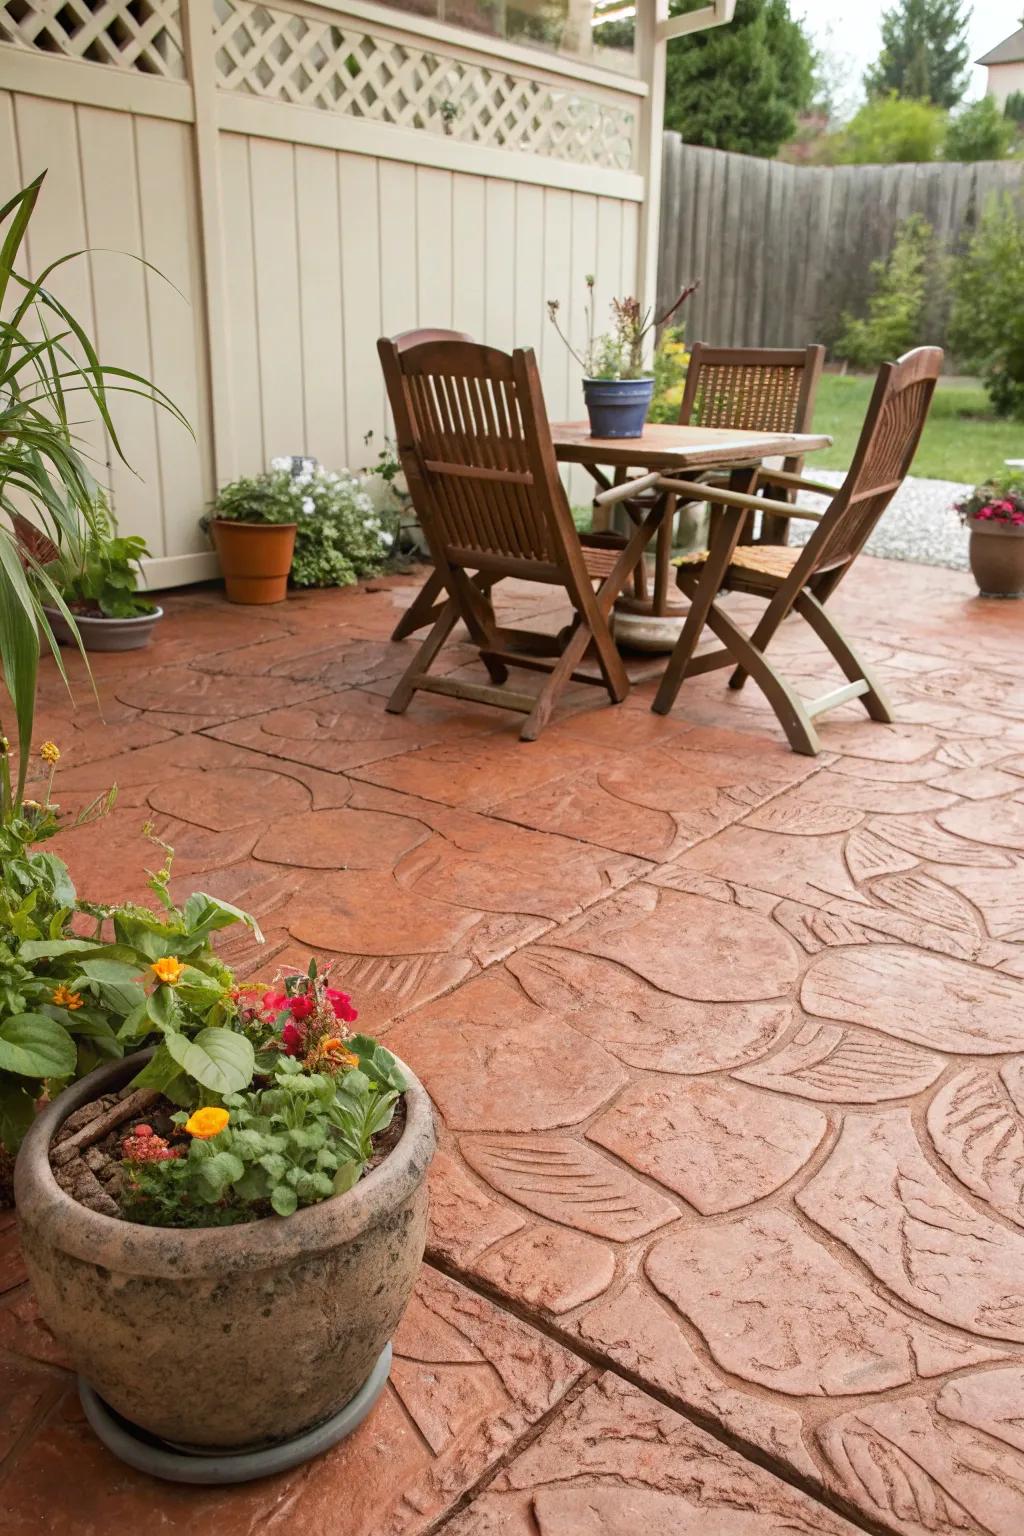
[(117, 972), (160, 1070), (220, 1171), (204, 914), (219, 1059), (347, 1177), (35, 1046), (51, 949), (284, 1200), (161, 1007), (17, 1111)]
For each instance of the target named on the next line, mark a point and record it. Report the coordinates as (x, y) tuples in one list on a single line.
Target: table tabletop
[(679, 448)]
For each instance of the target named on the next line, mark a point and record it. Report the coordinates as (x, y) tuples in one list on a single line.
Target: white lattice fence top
[(143, 35), (341, 68)]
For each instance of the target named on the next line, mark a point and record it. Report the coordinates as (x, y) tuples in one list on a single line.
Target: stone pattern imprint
[(726, 1045)]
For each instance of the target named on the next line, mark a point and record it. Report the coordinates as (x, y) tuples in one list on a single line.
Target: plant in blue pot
[(617, 382)]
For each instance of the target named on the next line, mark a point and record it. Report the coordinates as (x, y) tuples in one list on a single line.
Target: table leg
[(663, 558)]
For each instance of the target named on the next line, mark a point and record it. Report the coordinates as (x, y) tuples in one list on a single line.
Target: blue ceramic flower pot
[(617, 407)]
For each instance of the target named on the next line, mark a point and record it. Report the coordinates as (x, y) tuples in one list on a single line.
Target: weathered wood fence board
[(782, 250)]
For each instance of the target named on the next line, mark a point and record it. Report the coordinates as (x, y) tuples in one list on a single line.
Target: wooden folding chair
[(425, 607), (802, 579), (474, 442), (757, 389)]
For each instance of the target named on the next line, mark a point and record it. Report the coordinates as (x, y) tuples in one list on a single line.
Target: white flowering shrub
[(341, 535)]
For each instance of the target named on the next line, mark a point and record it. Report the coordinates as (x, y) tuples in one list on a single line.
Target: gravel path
[(920, 524)]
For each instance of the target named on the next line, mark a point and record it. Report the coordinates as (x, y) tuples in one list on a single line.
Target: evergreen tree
[(740, 86), (924, 52)]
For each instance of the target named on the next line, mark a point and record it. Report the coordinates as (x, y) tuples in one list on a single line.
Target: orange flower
[(339, 1053), (205, 1123), (169, 970), (63, 997)]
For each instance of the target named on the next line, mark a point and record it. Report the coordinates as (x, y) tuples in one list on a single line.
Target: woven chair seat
[(772, 560), (601, 562)]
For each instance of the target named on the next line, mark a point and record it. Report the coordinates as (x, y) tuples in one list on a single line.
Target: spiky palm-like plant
[(46, 358)]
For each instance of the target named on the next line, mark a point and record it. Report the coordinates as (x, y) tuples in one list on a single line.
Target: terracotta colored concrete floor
[(727, 1048)]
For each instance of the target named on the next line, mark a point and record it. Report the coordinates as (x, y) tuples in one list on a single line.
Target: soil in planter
[(87, 1159)]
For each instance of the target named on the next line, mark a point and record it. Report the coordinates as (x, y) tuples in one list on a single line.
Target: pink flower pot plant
[(994, 513)]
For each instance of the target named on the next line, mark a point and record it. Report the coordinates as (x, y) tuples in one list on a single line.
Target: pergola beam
[(714, 15)]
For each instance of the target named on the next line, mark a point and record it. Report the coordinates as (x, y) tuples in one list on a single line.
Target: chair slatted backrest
[(751, 388), (888, 441), (474, 441)]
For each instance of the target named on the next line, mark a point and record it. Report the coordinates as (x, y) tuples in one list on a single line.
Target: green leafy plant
[(671, 360), (888, 130), (47, 363), (980, 132), (897, 305), (925, 51), (341, 535), (97, 572), (618, 353), (987, 321)]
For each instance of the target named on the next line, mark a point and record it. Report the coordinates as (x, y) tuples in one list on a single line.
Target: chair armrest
[(796, 482), (713, 493), (626, 490)]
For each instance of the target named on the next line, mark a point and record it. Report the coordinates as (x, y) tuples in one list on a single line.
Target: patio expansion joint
[(601, 1364)]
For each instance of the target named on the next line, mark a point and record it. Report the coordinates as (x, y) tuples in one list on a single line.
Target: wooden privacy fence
[(782, 250), (308, 174)]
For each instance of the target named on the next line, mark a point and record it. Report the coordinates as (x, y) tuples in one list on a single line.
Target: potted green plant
[(261, 1211), (319, 526), (97, 574), (994, 513), (618, 384)]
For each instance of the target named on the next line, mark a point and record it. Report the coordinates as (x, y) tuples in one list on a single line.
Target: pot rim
[(192, 1252), (995, 526), (241, 522), (103, 618), (645, 378)]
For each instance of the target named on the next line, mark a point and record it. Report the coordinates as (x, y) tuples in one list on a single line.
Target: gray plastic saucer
[(148, 1454)]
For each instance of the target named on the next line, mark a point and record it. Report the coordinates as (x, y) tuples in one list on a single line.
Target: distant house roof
[(1010, 51)]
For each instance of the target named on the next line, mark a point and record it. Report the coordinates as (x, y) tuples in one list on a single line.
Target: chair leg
[(786, 702), (777, 610), (404, 689), (563, 669), (480, 621), (422, 610), (851, 665), (702, 597)]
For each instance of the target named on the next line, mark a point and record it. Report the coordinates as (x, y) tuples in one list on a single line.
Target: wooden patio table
[(652, 620)]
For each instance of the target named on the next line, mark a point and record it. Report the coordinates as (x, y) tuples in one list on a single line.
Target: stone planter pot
[(226, 1339), (618, 407), (99, 634), (996, 554), (255, 559)]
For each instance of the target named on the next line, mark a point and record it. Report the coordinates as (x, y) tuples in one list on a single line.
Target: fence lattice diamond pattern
[(314, 63), (143, 35)]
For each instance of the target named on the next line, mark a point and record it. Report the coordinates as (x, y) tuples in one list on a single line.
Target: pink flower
[(342, 1005), (293, 1040), (274, 1002)]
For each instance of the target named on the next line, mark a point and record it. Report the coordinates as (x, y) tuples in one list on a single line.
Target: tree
[(896, 308), (987, 323), (888, 131), (741, 86), (980, 132), (924, 52)]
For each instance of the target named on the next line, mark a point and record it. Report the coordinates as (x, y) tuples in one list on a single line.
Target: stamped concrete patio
[(727, 1048)]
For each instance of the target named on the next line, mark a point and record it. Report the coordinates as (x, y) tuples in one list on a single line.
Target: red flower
[(342, 1005), (293, 1040), (274, 1002), (301, 1005)]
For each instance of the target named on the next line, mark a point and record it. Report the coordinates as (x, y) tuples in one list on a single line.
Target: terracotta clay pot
[(226, 1338), (255, 559), (996, 554)]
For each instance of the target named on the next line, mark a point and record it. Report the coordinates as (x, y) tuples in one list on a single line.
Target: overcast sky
[(849, 30)]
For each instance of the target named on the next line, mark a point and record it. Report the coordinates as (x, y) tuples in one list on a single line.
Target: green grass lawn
[(962, 441)]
